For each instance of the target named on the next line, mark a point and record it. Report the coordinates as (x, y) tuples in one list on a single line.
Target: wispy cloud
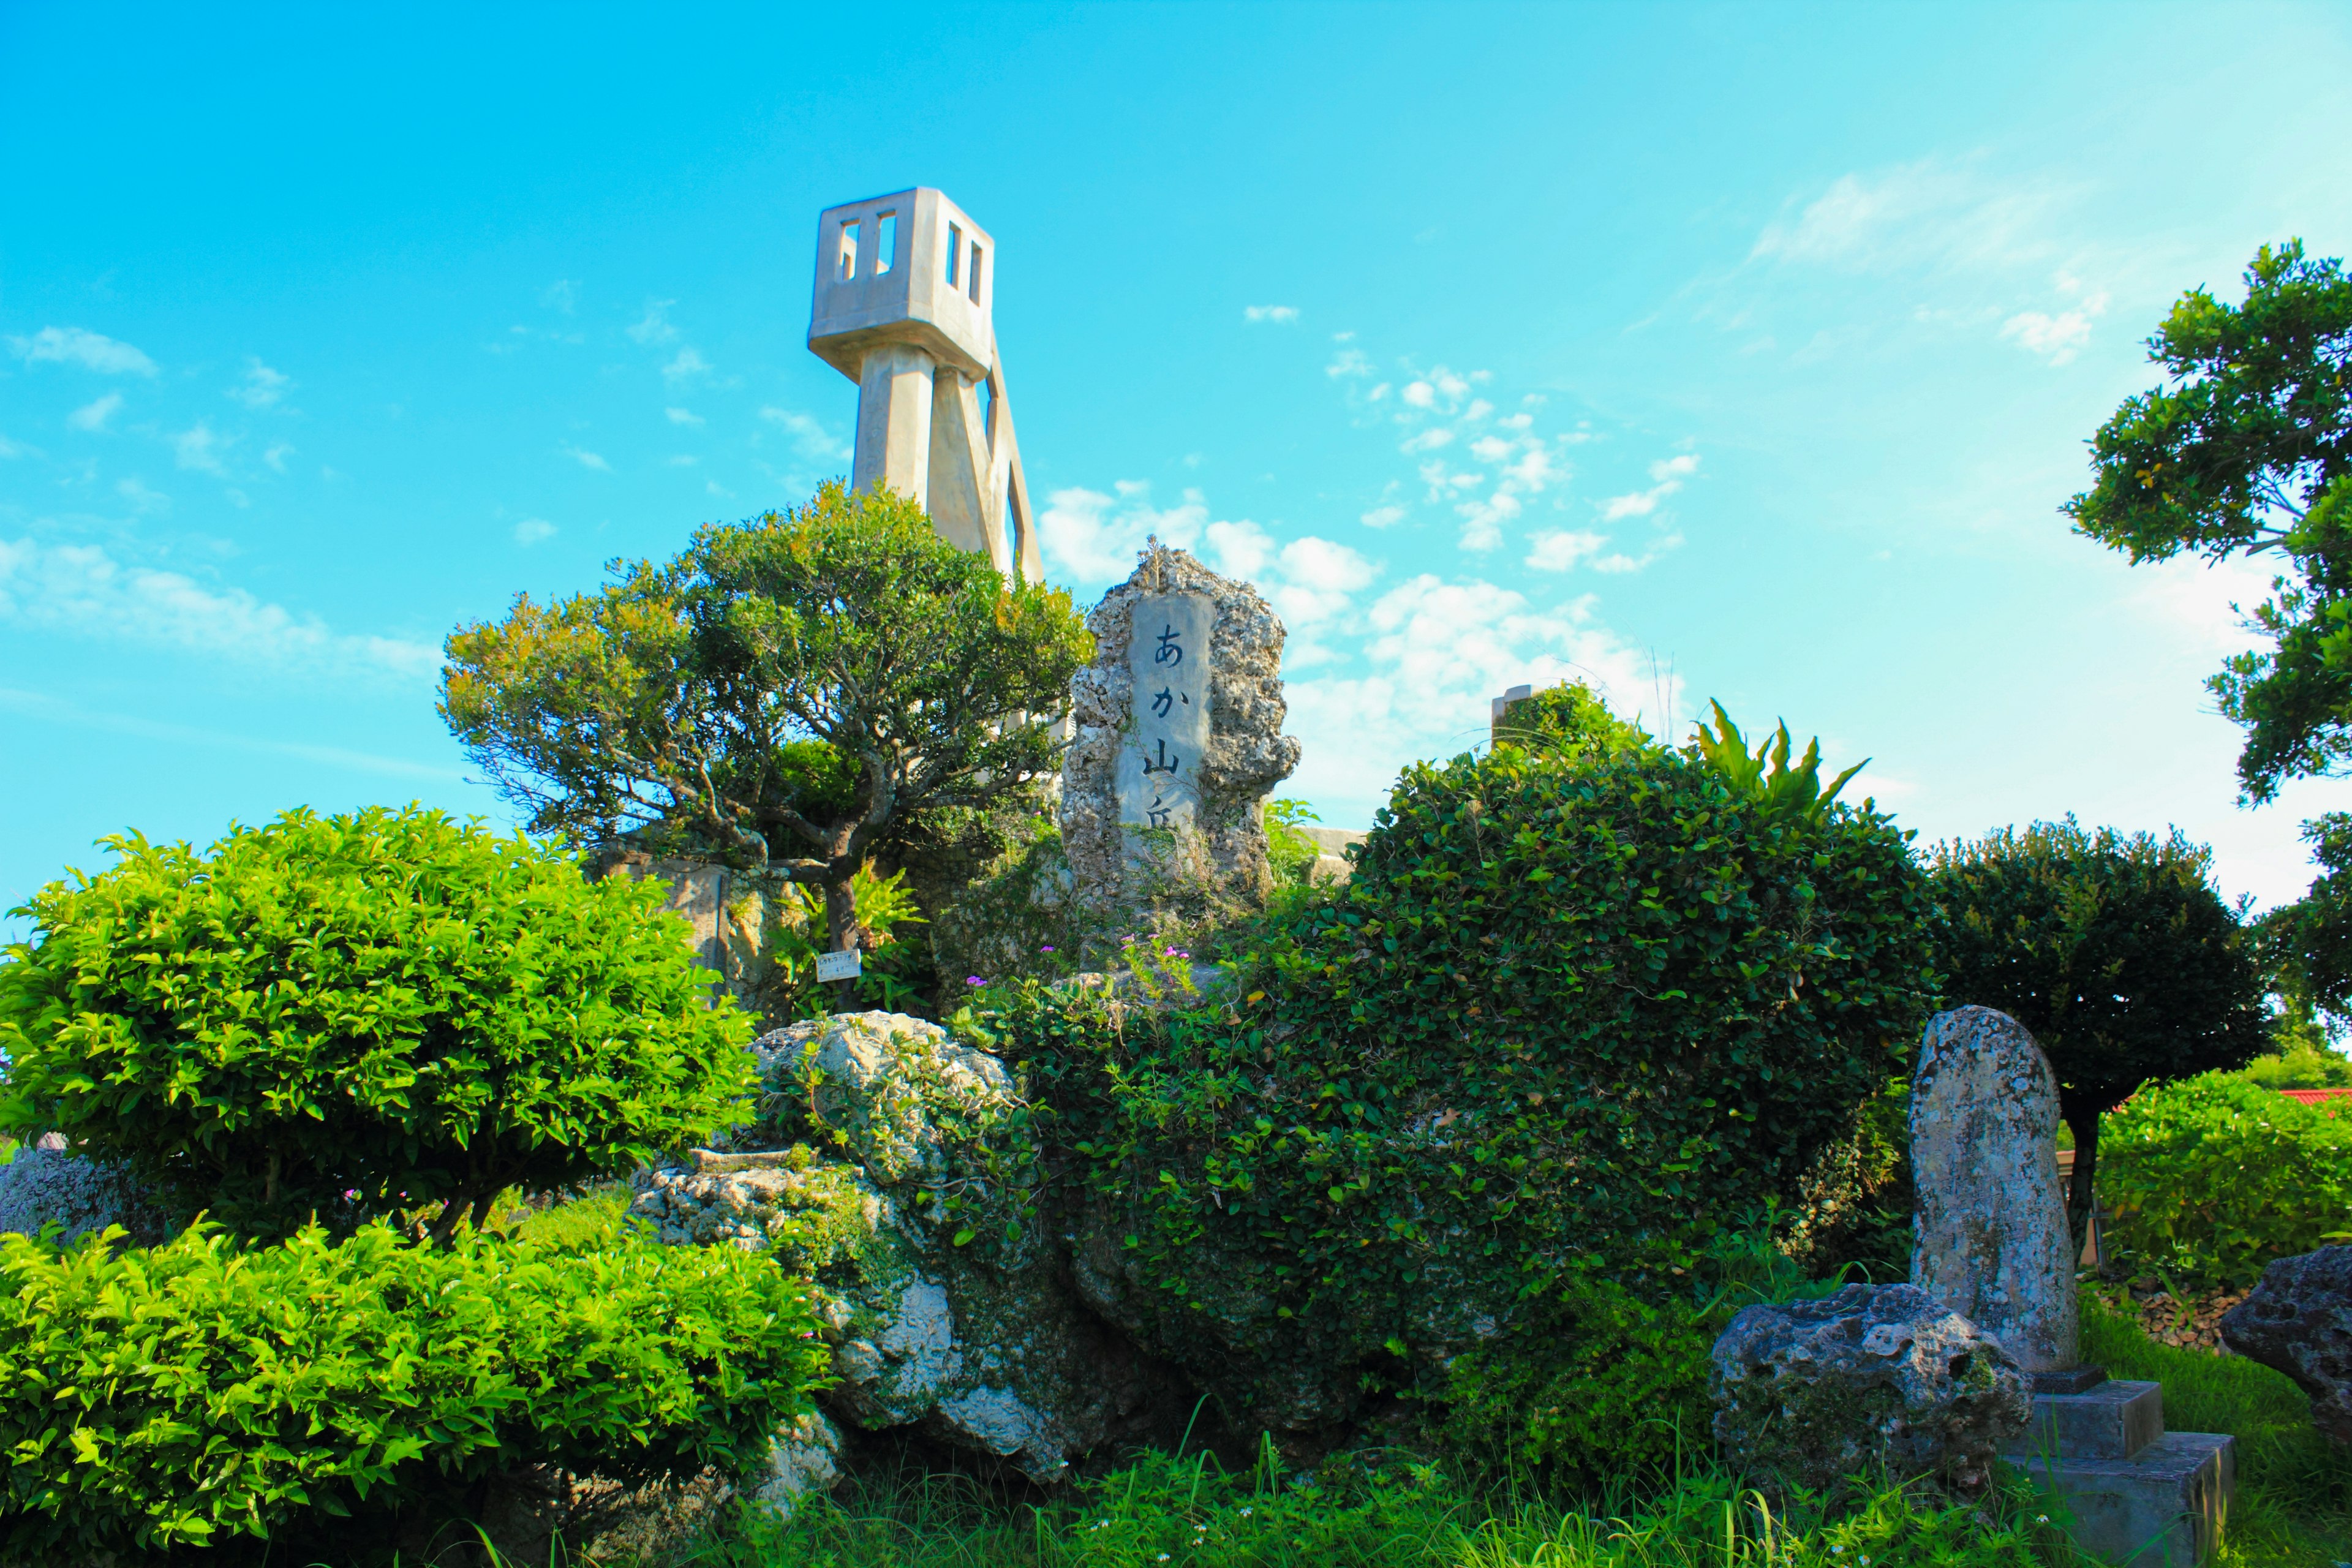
[(91, 351), (13, 449), (83, 590), (1666, 478), (1935, 213), (141, 498), (262, 386), (36, 705), (531, 529), (563, 295), (1559, 548), (683, 415), (687, 364), (1270, 312), (656, 328), (277, 454), (588, 459), (94, 415), (199, 447), (812, 438)]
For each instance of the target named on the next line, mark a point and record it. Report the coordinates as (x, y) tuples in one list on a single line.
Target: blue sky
[(1732, 352)]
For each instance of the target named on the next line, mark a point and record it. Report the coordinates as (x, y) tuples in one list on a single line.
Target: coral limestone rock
[(907, 1195), (1814, 1390), (1993, 1243), (2299, 1319), (1179, 736)]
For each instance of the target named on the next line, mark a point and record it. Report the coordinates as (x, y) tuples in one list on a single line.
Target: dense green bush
[(1567, 1002), (204, 1391), (349, 1015), (2210, 1178)]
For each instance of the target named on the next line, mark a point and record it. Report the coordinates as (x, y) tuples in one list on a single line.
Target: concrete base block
[(2111, 1420), (2162, 1508)]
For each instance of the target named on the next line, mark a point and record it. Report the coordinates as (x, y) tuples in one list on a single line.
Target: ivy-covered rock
[(894, 1167), (1575, 1008)]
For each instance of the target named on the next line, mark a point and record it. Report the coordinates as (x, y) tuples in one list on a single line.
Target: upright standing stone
[(1992, 1239), (1178, 738)]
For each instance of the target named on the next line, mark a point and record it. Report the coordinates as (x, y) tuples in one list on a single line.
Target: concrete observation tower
[(904, 283)]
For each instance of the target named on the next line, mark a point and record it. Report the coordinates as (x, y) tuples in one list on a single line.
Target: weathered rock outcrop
[(1992, 1238), (904, 1186), (46, 1182), (1813, 1392), (1208, 847), (2299, 1319)]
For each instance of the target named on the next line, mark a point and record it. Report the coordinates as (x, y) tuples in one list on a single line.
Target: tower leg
[(894, 422), (962, 508)]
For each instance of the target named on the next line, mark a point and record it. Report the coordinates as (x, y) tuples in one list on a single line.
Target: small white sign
[(839, 965)]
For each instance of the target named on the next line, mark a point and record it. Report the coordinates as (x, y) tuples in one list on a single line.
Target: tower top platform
[(908, 268)]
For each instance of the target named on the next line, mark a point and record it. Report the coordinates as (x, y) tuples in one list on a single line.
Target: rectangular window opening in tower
[(987, 409), (955, 247), (849, 251), (974, 279), (886, 242)]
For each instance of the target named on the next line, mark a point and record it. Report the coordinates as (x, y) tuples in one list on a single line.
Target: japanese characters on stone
[(1167, 654)]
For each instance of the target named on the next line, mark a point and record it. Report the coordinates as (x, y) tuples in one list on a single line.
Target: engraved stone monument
[(1178, 738)]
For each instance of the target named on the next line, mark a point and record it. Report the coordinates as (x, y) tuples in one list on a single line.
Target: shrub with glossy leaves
[(1566, 1003), (204, 1391), (351, 1015), (2211, 1178)]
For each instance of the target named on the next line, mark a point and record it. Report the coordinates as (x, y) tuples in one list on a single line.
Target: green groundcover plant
[(2213, 1177), (340, 1016), (206, 1392), (1573, 1010)]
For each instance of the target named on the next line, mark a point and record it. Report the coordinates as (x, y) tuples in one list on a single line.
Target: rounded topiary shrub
[(1577, 1008), (352, 1015)]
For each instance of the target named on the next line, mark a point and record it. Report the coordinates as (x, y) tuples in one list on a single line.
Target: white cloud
[(12, 448), (1491, 448), (1559, 548), (1479, 408), (588, 459), (73, 345), (564, 294), (141, 498), (531, 529), (263, 385), (82, 590), (1419, 395), (655, 327), (1270, 312), (1437, 654), (1240, 549), (2054, 338), (1382, 516), (1483, 517), (1429, 440), (1618, 561), (812, 438), (1928, 213), (1310, 581), (199, 449), (1669, 474), (276, 456), (1516, 421), (683, 415), (1096, 537), (687, 364), (1348, 362), (93, 416)]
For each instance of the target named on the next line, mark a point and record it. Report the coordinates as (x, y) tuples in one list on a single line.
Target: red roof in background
[(2317, 1096)]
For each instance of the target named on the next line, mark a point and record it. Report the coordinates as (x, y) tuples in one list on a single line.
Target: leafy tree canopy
[(789, 694), (2248, 449), (352, 1015), (2115, 950), (1570, 717)]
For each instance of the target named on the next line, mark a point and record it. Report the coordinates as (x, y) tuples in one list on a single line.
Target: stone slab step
[(2162, 1508), (2113, 1420)]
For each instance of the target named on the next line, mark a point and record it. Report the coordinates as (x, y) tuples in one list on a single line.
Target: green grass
[(583, 1223), (2294, 1486), (1191, 1513)]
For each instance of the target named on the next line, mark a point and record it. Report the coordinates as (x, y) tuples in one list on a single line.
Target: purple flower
[(973, 980), (1048, 948)]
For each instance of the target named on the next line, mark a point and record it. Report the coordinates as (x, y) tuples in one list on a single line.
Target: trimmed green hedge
[(341, 1017), (204, 1391), (2212, 1177)]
